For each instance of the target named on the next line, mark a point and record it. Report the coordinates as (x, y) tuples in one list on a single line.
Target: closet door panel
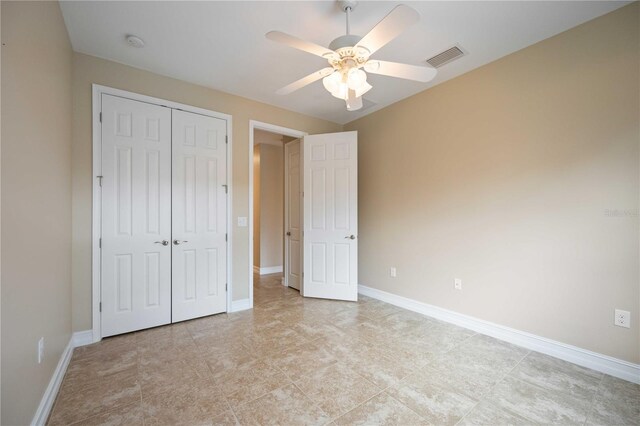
[(199, 219), (136, 215)]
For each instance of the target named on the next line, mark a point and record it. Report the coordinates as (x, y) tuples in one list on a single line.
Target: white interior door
[(292, 214), (136, 215), (330, 205), (199, 218)]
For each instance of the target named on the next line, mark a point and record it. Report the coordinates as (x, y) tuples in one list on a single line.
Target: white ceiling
[(221, 44)]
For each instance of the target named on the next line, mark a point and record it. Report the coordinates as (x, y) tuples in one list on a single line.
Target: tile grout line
[(484, 397), (313, 402), (593, 399), (404, 405), (359, 405)]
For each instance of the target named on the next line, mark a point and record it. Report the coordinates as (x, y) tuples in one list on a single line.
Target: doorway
[(327, 212), (275, 208)]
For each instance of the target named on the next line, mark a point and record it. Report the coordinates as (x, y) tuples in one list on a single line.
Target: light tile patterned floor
[(294, 361)]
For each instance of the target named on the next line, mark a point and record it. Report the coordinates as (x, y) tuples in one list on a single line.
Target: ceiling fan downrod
[(347, 7), (347, 10)]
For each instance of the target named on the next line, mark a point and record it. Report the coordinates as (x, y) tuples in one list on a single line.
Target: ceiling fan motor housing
[(348, 40), (344, 46)]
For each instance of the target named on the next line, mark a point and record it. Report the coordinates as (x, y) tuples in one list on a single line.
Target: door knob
[(288, 234), (163, 242), (351, 237), (178, 242)]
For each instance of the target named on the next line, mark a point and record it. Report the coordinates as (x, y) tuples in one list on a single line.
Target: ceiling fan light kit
[(348, 57)]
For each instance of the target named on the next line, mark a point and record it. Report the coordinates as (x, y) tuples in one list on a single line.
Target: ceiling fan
[(349, 57)]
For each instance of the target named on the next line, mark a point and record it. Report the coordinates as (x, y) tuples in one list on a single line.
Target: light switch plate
[(242, 221)]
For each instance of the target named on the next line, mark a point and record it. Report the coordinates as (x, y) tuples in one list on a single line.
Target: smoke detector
[(134, 41)]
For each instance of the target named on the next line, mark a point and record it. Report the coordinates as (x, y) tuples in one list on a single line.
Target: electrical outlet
[(457, 284), (622, 318), (40, 350), (392, 272), (242, 221)]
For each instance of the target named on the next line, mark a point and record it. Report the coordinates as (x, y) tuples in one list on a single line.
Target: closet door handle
[(178, 242), (288, 234), (163, 242)]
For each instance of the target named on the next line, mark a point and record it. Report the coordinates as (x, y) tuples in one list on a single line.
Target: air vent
[(445, 57)]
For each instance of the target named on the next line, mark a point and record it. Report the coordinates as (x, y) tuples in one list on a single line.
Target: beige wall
[(88, 70), (271, 205), (36, 201), (256, 205), (503, 177)]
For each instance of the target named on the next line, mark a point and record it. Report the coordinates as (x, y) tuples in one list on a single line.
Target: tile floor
[(294, 361)]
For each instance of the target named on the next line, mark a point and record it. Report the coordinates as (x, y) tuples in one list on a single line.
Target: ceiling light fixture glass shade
[(356, 78), (339, 83)]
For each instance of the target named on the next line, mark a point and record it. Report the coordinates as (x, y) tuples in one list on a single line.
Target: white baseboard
[(241, 305), (599, 362), (82, 338), (50, 393), (79, 338), (270, 270)]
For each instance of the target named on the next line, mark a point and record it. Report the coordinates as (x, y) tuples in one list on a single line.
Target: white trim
[(269, 270), (229, 120), (96, 219), (97, 91), (82, 338), (256, 269), (599, 362), (274, 129), (50, 393), (241, 305)]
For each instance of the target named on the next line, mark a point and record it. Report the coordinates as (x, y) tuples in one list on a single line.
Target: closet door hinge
[(226, 189), (100, 116), (226, 237), (99, 180), (100, 307), (99, 242), (226, 139), (226, 287)]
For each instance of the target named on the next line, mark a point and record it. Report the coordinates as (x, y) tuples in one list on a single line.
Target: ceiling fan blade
[(389, 28), (406, 71), (299, 84), (296, 43)]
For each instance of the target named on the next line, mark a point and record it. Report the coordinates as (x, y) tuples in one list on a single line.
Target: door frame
[(258, 125), (96, 170)]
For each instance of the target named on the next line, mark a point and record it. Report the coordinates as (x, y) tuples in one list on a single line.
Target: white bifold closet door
[(199, 215), (164, 220), (136, 215)]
